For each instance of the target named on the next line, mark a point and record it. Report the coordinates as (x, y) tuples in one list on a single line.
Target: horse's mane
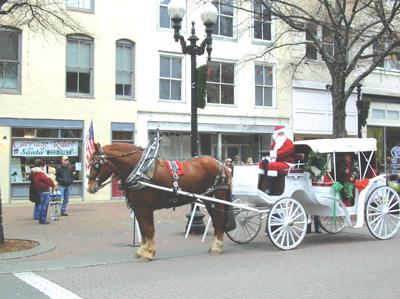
[(121, 147)]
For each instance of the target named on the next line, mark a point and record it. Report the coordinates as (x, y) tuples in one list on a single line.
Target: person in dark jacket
[(64, 178), (42, 184)]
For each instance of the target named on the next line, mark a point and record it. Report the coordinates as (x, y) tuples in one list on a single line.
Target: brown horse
[(200, 174)]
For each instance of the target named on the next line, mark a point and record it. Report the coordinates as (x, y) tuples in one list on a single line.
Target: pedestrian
[(317, 226), (249, 161), (237, 162), (228, 162), (42, 183), (64, 178)]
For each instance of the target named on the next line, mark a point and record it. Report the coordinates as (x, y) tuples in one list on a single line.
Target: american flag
[(89, 145)]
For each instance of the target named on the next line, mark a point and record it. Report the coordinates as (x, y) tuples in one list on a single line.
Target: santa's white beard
[(279, 141)]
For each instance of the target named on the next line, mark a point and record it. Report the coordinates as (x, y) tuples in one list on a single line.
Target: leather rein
[(99, 160)]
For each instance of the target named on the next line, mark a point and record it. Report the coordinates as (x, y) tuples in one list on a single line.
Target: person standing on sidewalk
[(42, 184), (64, 178)]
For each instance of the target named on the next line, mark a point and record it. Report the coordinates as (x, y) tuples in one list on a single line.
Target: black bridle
[(99, 160)]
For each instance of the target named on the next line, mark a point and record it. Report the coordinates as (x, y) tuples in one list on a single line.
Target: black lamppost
[(359, 110), (208, 15)]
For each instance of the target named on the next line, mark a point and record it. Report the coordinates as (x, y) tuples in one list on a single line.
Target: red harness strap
[(178, 167)]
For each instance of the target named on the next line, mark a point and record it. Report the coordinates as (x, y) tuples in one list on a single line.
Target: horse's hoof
[(145, 259), (214, 252), (137, 256)]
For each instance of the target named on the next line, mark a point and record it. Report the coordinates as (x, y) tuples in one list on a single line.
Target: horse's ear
[(97, 146)]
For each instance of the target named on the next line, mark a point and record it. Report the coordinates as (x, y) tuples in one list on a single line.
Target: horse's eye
[(101, 162)]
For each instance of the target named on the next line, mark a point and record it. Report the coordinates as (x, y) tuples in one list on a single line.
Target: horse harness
[(144, 169), (99, 160)]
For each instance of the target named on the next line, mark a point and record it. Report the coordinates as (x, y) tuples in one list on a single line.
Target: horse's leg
[(147, 249), (218, 218), (143, 244)]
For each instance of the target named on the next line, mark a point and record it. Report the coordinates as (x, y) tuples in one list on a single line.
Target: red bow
[(361, 184)]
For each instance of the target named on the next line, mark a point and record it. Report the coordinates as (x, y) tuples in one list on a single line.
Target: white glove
[(272, 155)]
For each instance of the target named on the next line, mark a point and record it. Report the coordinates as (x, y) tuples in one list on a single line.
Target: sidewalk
[(93, 233)]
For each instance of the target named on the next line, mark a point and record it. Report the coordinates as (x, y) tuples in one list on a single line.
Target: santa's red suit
[(280, 153)]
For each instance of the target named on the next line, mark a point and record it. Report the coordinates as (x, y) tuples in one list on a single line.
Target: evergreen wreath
[(201, 73), (315, 165)]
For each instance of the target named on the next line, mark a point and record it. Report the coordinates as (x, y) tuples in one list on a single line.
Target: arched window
[(10, 59), (79, 68), (124, 69)]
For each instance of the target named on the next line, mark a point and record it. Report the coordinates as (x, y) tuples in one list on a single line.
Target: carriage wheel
[(287, 223), (248, 223), (382, 212), (331, 227)]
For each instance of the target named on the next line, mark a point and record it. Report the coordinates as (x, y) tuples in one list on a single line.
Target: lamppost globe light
[(209, 14), (177, 10)]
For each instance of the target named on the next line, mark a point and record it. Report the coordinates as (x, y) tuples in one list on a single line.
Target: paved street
[(92, 258)]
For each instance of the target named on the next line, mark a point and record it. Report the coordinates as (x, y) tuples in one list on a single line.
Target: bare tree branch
[(39, 15), (355, 27)]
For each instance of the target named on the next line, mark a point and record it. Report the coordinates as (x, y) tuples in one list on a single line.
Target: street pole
[(359, 110), (176, 11), (193, 64)]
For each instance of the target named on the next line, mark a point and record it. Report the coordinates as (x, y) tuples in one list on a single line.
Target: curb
[(44, 246)]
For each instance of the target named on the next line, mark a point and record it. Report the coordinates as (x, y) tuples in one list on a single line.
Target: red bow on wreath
[(361, 184)]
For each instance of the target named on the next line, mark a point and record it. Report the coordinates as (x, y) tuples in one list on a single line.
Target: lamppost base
[(198, 226)]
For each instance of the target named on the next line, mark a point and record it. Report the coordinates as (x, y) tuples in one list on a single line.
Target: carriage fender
[(362, 198)]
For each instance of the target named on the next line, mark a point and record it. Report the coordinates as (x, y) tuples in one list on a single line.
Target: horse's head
[(99, 169)]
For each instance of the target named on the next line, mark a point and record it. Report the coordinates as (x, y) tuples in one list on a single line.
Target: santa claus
[(280, 155)]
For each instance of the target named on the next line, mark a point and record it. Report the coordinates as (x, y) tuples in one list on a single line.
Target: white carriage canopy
[(363, 148), (340, 145)]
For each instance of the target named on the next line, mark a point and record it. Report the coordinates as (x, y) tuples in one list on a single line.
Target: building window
[(10, 60), (81, 4), (122, 132), (79, 76), (175, 145), (262, 22), (124, 60), (391, 62), (326, 38), (165, 21), (220, 85), (224, 24), (170, 78), (264, 81)]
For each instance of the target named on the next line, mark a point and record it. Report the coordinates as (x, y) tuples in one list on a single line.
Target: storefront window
[(29, 144), (393, 149), (120, 132), (122, 136), (388, 148), (174, 145), (71, 133), (23, 132), (47, 133)]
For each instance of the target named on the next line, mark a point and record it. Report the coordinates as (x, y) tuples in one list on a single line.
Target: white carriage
[(288, 209)]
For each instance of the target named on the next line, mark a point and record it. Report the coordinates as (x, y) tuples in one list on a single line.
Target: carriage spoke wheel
[(330, 226), (382, 212), (287, 223), (248, 223)]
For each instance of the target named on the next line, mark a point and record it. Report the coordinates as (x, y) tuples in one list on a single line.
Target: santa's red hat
[(279, 129)]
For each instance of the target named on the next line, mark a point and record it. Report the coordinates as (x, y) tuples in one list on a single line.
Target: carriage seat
[(297, 167)]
